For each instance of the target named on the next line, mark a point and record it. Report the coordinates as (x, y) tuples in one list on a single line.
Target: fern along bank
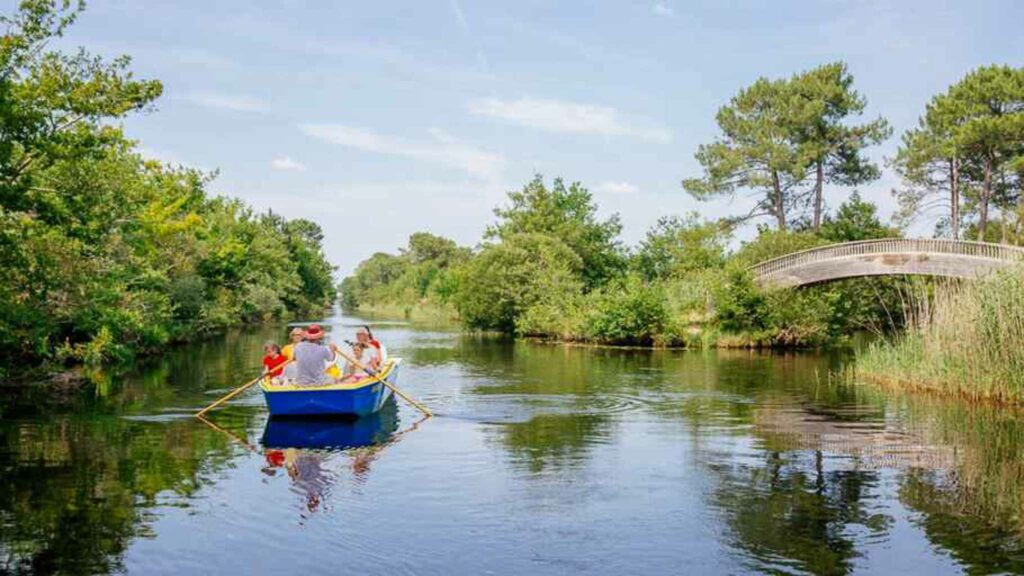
[(107, 255)]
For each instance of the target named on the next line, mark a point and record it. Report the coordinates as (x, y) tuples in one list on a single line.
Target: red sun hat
[(314, 332)]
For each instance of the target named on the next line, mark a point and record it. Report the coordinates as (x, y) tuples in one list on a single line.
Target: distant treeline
[(106, 254), (550, 267)]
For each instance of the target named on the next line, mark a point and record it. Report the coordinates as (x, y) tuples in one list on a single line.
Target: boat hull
[(359, 399)]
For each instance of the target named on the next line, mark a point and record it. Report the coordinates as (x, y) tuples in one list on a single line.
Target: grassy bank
[(965, 339)]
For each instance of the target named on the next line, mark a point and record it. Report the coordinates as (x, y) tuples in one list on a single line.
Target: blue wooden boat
[(359, 398), (332, 432)]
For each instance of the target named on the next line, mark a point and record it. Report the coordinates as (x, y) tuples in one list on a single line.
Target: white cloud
[(286, 163), (460, 17), (566, 117), (223, 101), (616, 188), (444, 150), (662, 9)]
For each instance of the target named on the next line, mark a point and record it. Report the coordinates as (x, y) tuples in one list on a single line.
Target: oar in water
[(237, 391), (372, 375), (229, 433)]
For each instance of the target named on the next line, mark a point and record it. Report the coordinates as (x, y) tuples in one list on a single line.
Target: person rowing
[(354, 373), (373, 348), (311, 357)]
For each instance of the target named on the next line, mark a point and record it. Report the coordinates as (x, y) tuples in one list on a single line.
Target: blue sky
[(379, 119)]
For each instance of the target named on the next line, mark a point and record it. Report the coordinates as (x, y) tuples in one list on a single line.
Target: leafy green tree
[(107, 254), (628, 311), (678, 246), (500, 284), (52, 105), (855, 220), (570, 215), (422, 271)]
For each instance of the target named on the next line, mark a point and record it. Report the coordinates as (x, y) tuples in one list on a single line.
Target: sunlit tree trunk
[(819, 182), (986, 196), (780, 208), (954, 196)]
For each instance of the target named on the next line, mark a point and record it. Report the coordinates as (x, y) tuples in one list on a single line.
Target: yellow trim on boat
[(388, 367)]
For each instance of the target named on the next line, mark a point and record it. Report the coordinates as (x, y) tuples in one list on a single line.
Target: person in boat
[(312, 358), (374, 357), (294, 337), (352, 372), (273, 361)]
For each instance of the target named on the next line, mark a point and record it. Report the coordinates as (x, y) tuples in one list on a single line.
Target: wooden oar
[(229, 434), (238, 391), (376, 378)]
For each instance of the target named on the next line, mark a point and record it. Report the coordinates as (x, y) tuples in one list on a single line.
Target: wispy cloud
[(663, 9), (460, 16), (567, 117), (285, 163), (616, 188), (225, 101), (443, 150)]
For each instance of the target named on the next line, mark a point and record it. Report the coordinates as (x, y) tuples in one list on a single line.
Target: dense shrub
[(629, 311), (500, 284)]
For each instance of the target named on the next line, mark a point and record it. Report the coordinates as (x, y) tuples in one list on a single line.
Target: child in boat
[(352, 372), (273, 361), (375, 351)]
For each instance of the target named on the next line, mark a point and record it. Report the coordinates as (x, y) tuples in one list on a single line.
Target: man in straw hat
[(311, 357)]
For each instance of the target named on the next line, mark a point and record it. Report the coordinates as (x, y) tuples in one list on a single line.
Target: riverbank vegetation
[(107, 254), (550, 267), (682, 286), (966, 339)]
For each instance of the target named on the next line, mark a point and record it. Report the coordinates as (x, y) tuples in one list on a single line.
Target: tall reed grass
[(965, 339)]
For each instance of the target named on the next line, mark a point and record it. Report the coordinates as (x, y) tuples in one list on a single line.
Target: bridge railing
[(1001, 252)]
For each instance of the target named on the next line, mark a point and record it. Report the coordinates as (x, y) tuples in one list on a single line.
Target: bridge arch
[(885, 257)]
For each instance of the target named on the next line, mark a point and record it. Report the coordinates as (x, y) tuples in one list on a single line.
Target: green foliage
[(964, 339), (774, 243), (107, 254), (677, 246), (628, 311), (968, 149), (855, 220), (570, 215), (422, 273), (777, 133), (504, 281)]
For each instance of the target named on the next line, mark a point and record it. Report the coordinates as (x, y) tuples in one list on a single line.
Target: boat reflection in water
[(307, 449), (332, 433)]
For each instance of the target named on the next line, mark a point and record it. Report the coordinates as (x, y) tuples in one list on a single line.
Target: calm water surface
[(542, 460)]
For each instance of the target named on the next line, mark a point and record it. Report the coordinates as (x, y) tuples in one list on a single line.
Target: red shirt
[(271, 363)]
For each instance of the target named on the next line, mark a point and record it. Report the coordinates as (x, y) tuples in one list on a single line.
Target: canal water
[(542, 460)]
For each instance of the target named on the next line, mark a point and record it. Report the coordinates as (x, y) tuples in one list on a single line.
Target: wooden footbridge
[(885, 257)]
